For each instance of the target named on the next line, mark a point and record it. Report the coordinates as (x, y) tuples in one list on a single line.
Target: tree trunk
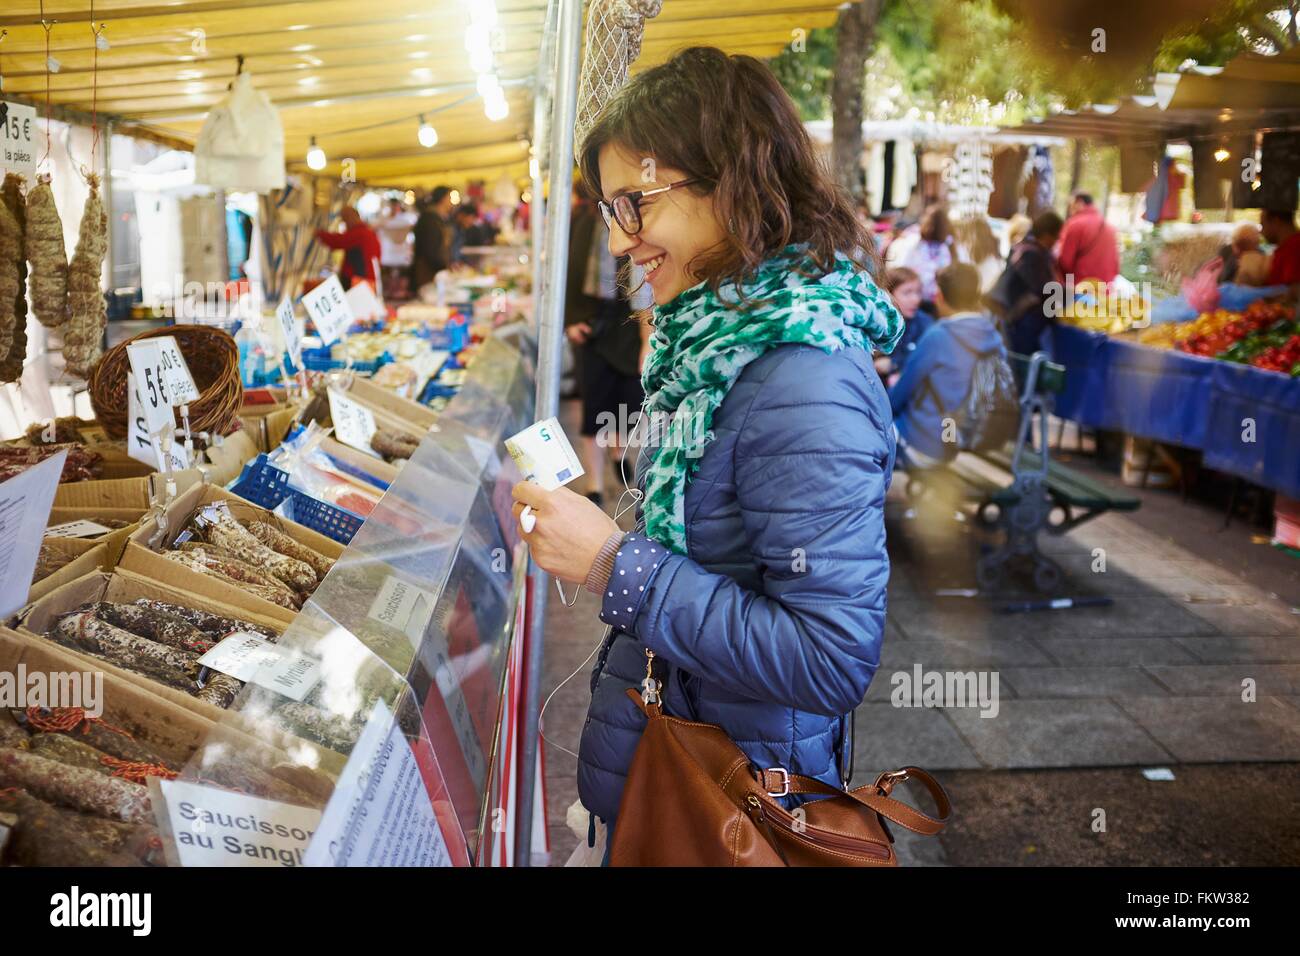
[(855, 38)]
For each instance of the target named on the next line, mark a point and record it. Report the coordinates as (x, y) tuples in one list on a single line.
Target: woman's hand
[(578, 333), (569, 533)]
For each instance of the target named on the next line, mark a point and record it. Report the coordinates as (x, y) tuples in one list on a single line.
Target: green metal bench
[(1043, 495)]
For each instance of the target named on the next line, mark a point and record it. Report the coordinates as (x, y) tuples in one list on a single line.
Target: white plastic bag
[(577, 818)]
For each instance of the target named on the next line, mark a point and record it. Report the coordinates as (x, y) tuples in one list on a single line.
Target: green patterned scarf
[(699, 347)]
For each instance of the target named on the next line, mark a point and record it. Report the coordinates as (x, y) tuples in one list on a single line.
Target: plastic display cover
[(386, 757)]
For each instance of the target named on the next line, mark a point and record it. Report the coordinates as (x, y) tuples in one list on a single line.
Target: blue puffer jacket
[(771, 628)]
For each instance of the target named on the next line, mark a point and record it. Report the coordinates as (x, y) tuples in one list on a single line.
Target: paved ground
[(1195, 667)]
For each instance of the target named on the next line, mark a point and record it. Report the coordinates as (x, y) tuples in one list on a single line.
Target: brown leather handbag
[(692, 799)]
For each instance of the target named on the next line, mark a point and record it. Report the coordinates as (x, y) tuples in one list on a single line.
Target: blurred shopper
[(938, 377), (360, 245), (1089, 247), (779, 433), (904, 287), (1022, 291), (933, 252), (1279, 228), (433, 230), (1245, 240), (977, 245), (471, 230), (1018, 227), (394, 230)]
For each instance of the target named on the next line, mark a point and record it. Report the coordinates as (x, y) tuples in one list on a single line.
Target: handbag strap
[(874, 796)]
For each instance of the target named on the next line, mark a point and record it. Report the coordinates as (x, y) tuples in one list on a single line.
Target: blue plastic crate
[(320, 360), (263, 484), (452, 337)]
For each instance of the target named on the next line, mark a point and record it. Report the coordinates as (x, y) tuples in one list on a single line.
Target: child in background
[(904, 287)]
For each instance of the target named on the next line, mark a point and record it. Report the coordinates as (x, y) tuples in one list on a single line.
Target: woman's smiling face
[(676, 226)]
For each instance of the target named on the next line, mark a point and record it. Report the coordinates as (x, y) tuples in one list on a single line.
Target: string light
[(428, 135), (315, 156)]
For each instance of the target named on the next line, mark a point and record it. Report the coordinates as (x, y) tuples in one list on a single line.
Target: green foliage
[(1237, 27), (806, 74)]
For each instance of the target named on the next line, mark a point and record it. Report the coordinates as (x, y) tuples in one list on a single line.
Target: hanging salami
[(11, 362), (48, 257), (83, 337)]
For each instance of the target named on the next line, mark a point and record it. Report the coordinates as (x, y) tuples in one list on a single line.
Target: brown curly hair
[(727, 121)]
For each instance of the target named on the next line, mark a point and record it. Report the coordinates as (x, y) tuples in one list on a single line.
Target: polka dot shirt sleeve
[(635, 564)]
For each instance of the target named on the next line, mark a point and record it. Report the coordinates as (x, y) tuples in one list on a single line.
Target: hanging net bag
[(614, 29)]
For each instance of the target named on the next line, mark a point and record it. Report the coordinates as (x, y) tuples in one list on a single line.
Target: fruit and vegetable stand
[(1244, 418)]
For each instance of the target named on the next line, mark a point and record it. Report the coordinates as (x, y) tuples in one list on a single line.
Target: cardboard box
[(87, 556), (172, 731), (177, 733), (226, 461), (418, 418), (141, 553), (115, 540), (123, 587), (121, 492), (117, 463)]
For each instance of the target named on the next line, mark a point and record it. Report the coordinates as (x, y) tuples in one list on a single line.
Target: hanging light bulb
[(428, 135), (487, 85), (315, 156), (495, 106)]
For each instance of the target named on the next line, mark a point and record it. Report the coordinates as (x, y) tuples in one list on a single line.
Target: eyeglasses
[(625, 209)]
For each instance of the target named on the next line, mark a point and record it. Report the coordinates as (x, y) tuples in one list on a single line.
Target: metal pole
[(550, 341), (543, 91)]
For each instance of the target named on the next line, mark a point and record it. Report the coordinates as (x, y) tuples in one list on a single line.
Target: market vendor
[(1279, 228), (360, 245), (1088, 248), (757, 571)]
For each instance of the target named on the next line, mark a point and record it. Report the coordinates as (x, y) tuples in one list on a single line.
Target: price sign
[(328, 307), (353, 423), (17, 139), (150, 407), (289, 327), (173, 368), (364, 303), (143, 441), (163, 378)]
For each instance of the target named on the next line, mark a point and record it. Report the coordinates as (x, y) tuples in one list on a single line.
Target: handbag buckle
[(785, 781), (885, 782)]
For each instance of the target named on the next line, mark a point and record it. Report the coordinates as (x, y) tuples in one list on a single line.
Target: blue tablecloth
[(1245, 420)]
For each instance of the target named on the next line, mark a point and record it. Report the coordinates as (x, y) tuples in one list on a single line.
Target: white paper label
[(81, 528), (17, 139), (249, 658), (544, 455), (380, 813), (176, 371), (289, 328), (354, 425), (214, 827), (404, 607), (25, 502), (328, 307), (146, 447), (364, 303)]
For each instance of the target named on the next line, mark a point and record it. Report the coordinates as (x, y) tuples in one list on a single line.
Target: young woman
[(977, 245), (933, 253), (757, 572), (904, 288)]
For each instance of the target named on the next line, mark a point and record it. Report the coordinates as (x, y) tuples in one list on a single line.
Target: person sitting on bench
[(937, 377)]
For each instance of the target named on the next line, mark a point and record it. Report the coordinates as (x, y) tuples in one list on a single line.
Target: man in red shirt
[(1088, 248), (1278, 227), (360, 245)]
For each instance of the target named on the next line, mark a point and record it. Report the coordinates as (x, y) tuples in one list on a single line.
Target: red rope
[(67, 719), (136, 771)]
